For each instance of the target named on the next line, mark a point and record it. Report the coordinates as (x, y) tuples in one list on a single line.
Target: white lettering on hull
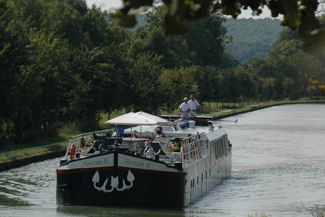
[(131, 163), (96, 162), (144, 164)]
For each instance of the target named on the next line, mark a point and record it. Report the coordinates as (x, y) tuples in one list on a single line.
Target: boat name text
[(132, 163)]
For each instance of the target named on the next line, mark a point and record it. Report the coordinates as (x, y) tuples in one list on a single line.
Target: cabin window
[(198, 180), (202, 177), (223, 147), (227, 145), (217, 148), (220, 147)]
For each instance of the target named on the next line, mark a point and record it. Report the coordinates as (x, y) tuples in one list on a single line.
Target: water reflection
[(104, 212), (278, 169)]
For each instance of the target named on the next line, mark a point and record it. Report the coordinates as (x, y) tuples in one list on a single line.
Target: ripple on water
[(278, 169), (11, 202)]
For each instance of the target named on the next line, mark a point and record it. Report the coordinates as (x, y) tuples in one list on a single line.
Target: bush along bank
[(22, 157)]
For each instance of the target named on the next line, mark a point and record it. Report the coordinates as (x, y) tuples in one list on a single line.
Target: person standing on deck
[(194, 106), (184, 108)]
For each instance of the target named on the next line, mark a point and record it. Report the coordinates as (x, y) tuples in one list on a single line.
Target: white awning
[(160, 121), (139, 118), (131, 118)]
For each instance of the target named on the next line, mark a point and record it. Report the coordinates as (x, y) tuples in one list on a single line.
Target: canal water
[(278, 170)]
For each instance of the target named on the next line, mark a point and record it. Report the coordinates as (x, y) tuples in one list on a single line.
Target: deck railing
[(88, 141), (193, 149)]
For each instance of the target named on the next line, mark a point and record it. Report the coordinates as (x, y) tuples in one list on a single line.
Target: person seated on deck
[(142, 147), (157, 133), (184, 108)]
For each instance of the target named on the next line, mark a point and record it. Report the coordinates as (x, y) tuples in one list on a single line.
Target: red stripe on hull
[(59, 171), (153, 171)]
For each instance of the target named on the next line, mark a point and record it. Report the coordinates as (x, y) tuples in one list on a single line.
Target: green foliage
[(144, 90), (315, 82), (67, 69), (176, 84), (251, 37), (296, 14), (206, 46), (203, 47), (55, 68), (235, 84)]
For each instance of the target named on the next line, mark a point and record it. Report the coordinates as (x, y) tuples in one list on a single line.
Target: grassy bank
[(13, 155), (64, 132), (30, 152)]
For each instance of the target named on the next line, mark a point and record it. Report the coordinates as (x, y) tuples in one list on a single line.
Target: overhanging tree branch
[(302, 15)]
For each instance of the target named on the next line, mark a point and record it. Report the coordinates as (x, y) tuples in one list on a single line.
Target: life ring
[(72, 151)]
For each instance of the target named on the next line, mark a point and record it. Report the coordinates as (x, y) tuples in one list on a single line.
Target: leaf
[(322, 88), (174, 25)]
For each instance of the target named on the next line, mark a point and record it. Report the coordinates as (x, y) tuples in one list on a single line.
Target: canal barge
[(137, 167)]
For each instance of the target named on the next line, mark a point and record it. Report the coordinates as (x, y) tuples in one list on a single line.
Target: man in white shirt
[(194, 106), (185, 109)]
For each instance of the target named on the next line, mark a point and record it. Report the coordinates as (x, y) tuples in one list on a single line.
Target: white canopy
[(160, 121), (139, 118)]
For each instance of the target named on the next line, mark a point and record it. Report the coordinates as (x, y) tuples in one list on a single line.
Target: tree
[(206, 40), (205, 77), (151, 38), (144, 72), (300, 15), (235, 84), (177, 83)]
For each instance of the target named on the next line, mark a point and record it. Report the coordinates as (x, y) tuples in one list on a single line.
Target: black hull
[(118, 179), (151, 189)]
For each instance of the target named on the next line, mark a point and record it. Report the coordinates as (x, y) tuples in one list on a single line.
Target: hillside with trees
[(248, 38), (65, 70), (251, 37)]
